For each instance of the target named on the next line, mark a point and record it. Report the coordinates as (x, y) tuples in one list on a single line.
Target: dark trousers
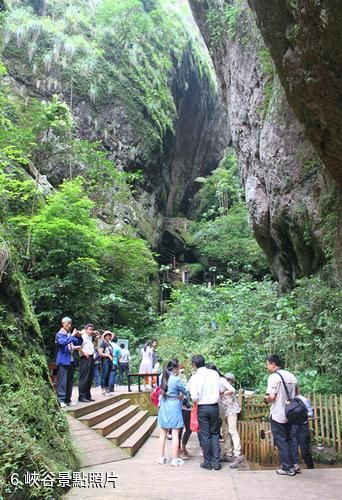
[(184, 436), (105, 372), (97, 371), (113, 377), (282, 438), (65, 382), (300, 436), (123, 368), (86, 377), (209, 424)]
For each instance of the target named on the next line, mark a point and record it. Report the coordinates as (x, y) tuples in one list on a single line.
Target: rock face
[(170, 156), (194, 148), (200, 135), (290, 196), (43, 434), (305, 41)]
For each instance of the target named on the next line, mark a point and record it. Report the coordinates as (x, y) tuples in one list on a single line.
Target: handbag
[(154, 397), (296, 411), (194, 425)]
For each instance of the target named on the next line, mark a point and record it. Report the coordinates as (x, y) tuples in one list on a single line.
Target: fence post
[(241, 401)]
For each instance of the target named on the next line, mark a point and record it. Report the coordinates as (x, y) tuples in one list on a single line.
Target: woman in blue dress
[(170, 411)]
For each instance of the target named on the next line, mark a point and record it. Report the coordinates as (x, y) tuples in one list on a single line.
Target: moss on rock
[(34, 432)]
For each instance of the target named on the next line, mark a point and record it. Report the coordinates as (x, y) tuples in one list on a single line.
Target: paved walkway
[(142, 478)]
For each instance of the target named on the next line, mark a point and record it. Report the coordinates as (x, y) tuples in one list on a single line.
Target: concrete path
[(142, 478)]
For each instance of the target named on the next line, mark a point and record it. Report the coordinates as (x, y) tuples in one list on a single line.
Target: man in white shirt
[(86, 352), (281, 428), (204, 387)]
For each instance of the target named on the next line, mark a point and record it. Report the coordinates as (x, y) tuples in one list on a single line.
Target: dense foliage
[(76, 252), (76, 269), (236, 325), (117, 52), (62, 248), (222, 238), (34, 433)]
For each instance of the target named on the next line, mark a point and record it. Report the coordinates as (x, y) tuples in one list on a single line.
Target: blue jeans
[(113, 378), (209, 424), (106, 373)]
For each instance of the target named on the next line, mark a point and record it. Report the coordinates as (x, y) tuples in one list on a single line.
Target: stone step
[(133, 443), (91, 448), (83, 408), (111, 423), (123, 432), (97, 416)]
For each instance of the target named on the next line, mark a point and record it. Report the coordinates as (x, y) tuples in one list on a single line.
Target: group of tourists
[(209, 397), (101, 360), (216, 406)]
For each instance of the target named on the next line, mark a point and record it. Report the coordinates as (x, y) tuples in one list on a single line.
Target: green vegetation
[(222, 238), (75, 268), (223, 20), (235, 325), (34, 434), (118, 52), (71, 265), (76, 252), (227, 244), (267, 69)]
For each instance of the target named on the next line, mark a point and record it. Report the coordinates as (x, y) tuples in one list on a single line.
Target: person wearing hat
[(106, 354), (230, 409)]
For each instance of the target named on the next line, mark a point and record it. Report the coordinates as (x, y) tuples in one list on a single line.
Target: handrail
[(139, 375)]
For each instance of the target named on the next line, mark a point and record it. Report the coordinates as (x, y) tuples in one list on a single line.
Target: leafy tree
[(220, 191), (236, 325), (77, 269), (222, 239), (227, 243)]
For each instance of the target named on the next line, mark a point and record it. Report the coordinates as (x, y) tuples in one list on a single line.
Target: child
[(300, 435)]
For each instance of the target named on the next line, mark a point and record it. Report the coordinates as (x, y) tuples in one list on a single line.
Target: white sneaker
[(163, 460), (72, 403), (62, 404), (104, 393), (177, 461)]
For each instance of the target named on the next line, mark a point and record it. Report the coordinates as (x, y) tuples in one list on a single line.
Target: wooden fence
[(326, 427)]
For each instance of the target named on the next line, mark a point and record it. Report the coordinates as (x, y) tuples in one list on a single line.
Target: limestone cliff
[(305, 41), (154, 106), (292, 199)]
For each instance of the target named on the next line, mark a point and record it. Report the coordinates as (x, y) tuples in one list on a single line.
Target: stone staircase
[(124, 419)]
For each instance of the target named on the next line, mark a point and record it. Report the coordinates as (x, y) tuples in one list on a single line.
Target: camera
[(186, 403)]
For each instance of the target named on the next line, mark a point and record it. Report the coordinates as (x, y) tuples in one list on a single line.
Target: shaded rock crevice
[(285, 182)]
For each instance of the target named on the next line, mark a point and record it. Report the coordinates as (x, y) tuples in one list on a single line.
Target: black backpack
[(296, 411)]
